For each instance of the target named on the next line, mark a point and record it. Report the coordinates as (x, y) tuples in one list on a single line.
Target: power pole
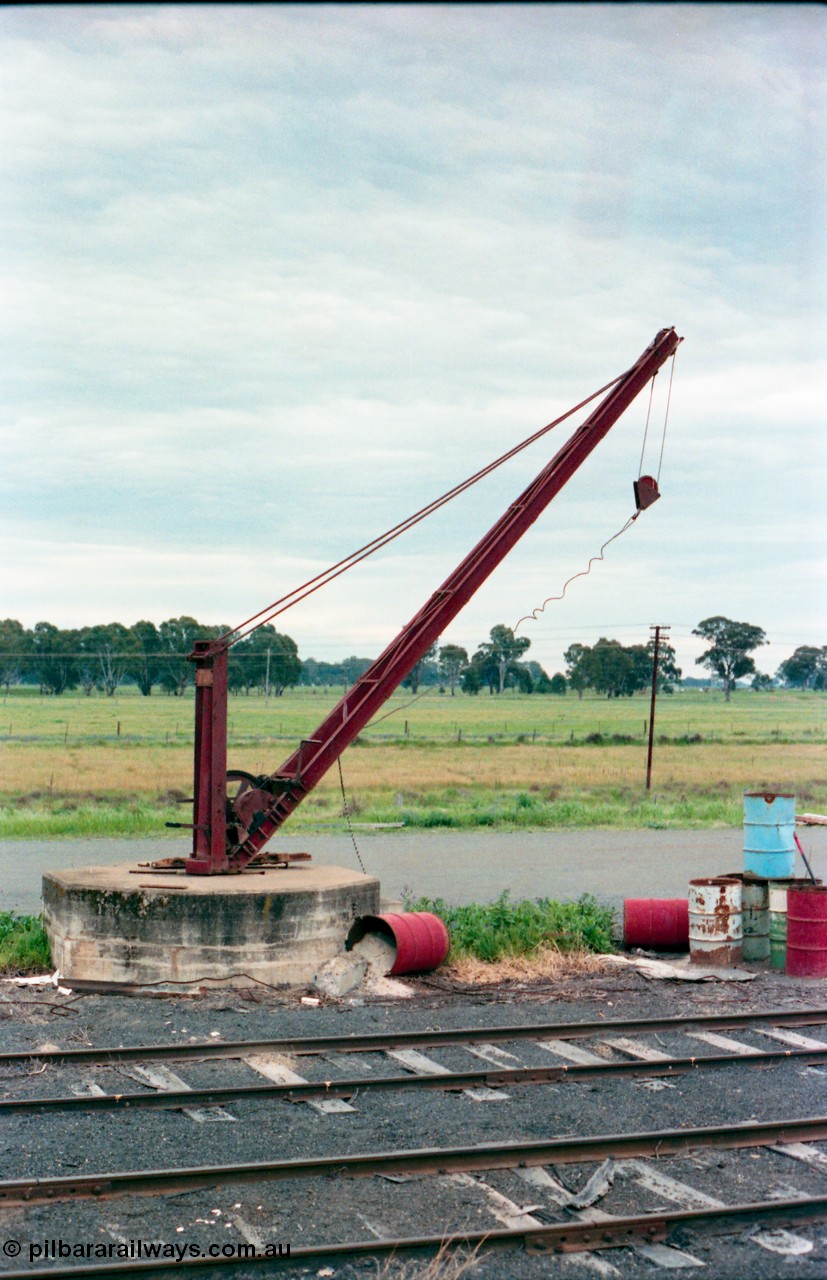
[(657, 630), (267, 677)]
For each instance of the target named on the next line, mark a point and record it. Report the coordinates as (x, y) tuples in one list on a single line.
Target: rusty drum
[(807, 931), (715, 921), (421, 939), (659, 923)]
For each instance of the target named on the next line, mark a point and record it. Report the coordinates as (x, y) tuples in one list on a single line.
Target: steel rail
[(563, 1237), (379, 1040), (425, 1160), (450, 1081)]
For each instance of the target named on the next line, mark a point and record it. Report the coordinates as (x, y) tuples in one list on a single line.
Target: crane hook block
[(646, 492)]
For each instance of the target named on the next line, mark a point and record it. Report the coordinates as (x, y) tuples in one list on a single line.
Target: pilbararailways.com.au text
[(132, 1250)]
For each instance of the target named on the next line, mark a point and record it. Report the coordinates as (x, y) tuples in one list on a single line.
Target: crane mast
[(226, 835)]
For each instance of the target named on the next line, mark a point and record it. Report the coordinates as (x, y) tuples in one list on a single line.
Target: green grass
[(24, 947), (687, 717), (498, 930), (514, 762)]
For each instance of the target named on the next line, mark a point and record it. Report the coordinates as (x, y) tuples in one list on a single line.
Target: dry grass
[(448, 1264), (151, 771), (546, 963)]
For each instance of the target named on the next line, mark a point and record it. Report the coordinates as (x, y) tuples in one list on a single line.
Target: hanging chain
[(346, 811)]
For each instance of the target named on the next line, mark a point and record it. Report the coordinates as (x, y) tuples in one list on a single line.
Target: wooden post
[(657, 630)]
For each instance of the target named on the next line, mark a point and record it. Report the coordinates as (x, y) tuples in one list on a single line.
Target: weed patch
[(498, 930), (24, 947)]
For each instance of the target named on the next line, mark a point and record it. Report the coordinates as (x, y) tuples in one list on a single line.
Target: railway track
[(420, 1198)]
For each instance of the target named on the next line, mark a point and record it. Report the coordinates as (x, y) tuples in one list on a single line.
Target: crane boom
[(227, 837)]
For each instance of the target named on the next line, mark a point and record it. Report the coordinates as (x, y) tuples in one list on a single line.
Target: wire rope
[(535, 613), (315, 583)]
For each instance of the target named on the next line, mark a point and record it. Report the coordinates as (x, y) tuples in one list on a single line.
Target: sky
[(274, 277)]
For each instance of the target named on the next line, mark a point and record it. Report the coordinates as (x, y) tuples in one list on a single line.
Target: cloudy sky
[(274, 277)]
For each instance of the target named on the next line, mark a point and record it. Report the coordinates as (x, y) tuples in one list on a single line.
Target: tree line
[(103, 657), (100, 658)]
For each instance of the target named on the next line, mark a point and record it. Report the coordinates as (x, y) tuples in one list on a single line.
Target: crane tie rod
[(285, 602)]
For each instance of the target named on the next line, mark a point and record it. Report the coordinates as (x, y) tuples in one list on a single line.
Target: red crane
[(228, 833)]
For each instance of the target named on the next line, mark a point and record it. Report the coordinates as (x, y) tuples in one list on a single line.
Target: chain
[(346, 810)]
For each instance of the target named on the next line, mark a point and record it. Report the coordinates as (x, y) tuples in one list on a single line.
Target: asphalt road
[(460, 867)]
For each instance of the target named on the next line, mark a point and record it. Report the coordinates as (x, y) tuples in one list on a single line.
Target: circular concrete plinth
[(109, 924)]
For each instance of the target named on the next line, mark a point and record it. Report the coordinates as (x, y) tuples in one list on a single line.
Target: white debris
[(680, 971), (340, 975), (378, 951)]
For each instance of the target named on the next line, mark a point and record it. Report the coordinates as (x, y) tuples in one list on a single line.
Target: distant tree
[(453, 660), (558, 684), (730, 644), (471, 679), (806, 668), (53, 662), (762, 682), (107, 652), (422, 672), (523, 677), (576, 657), (144, 666), (643, 655), (539, 678), (15, 646), (266, 660), (610, 668), (486, 668), (504, 650), (669, 673), (177, 636)]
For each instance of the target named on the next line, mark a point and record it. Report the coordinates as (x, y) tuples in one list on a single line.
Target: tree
[(422, 672), (730, 644), (762, 682), (806, 668), (267, 660), (540, 682), (471, 679), (453, 660), (144, 666), (558, 684), (15, 646), (53, 660), (576, 657), (107, 652), (504, 649), (177, 636), (669, 673), (610, 668)]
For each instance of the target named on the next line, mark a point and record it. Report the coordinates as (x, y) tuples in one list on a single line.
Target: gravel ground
[(313, 1210)]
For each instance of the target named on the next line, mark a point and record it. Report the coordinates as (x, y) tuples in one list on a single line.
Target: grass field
[(100, 766)]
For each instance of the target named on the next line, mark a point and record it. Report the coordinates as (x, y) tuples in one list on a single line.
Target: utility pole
[(267, 677), (657, 630)]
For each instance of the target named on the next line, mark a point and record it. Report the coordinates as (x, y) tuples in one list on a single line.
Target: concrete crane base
[(108, 924)]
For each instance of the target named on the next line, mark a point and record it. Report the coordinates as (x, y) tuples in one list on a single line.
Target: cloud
[(275, 277)]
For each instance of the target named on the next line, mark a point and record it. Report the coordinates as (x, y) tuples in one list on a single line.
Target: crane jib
[(225, 838)]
